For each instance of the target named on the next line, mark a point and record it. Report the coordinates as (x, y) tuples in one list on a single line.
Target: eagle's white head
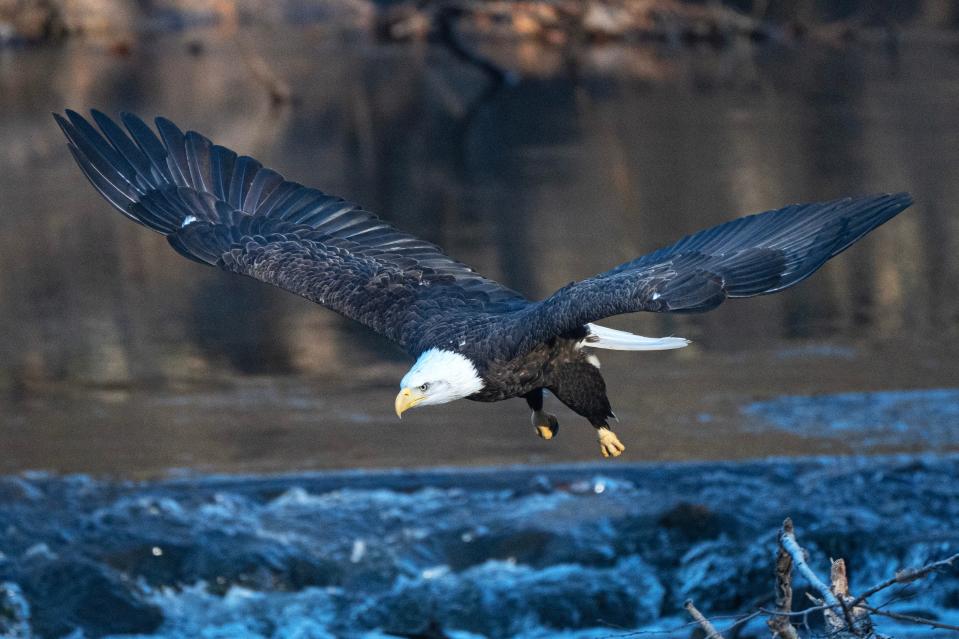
[(437, 377)]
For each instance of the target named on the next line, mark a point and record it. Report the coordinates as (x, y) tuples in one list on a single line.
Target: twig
[(738, 620), (905, 576), (909, 618), (711, 632), (797, 613), (641, 633), (896, 598), (741, 621)]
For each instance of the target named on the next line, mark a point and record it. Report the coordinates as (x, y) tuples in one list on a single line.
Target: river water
[(575, 551), (122, 360)]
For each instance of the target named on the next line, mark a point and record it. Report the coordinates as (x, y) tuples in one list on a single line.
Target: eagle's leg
[(545, 424), (580, 386)]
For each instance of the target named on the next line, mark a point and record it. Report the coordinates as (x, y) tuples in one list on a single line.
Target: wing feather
[(753, 255), (218, 208)]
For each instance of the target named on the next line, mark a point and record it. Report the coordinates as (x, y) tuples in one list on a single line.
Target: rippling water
[(582, 551)]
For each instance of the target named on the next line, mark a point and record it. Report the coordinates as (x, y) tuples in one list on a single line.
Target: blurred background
[(540, 142)]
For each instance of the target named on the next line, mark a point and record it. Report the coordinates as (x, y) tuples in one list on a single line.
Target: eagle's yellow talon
[(609, 444), (546, 424)]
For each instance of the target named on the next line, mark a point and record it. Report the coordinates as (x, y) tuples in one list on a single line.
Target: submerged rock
[(72, 593), (691, 521)]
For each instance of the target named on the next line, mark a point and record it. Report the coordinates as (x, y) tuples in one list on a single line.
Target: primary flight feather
[(472, 337)]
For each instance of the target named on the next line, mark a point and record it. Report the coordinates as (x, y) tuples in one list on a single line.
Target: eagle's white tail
[(611, 339)]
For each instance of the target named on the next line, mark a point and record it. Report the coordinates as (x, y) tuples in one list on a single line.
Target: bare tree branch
[(707, 626), (780, 624), (787, 537), (738, 620), (846, 616), (854, 619), (910, 618), (796, 613), (906, 576)]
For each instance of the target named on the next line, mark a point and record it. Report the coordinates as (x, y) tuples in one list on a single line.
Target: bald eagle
[(470, 337)]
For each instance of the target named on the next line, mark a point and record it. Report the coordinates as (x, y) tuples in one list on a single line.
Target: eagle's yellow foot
[(546, 424), (609, 443)]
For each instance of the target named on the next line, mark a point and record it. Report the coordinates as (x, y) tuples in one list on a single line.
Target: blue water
[(575, 551), (928, 417)]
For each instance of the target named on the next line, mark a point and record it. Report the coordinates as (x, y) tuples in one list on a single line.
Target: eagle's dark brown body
[(563, 366)]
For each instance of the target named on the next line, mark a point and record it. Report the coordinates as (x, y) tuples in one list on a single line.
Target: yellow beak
[(407, 399)]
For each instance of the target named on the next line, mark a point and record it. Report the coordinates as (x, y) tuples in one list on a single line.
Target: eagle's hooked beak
[(408, 398)]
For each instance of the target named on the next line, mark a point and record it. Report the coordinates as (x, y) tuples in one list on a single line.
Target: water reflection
[(547, 181)]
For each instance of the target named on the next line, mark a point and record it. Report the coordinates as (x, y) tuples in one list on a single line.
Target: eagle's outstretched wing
[(222, 209), (226, 210), (753, 255)]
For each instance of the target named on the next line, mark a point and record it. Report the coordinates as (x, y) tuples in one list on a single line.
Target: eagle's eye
[(424, 387)]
